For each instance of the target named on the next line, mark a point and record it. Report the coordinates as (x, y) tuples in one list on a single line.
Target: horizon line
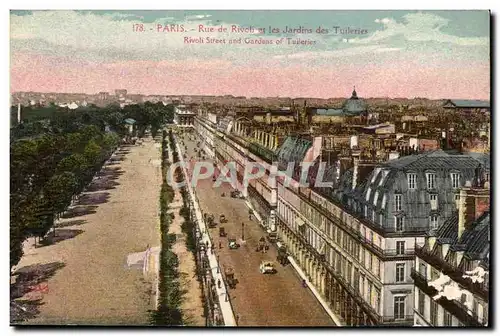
[(246, 97)]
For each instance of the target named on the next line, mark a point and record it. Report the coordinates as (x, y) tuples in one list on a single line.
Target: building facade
[(355, 238)]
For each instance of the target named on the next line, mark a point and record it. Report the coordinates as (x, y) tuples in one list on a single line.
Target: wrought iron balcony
[(453, 306), (455, 273), (397, 320)]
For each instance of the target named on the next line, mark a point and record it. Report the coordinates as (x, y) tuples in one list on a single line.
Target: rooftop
[(467, 103)]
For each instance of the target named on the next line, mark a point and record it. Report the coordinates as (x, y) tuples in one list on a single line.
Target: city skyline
[(427, 54)]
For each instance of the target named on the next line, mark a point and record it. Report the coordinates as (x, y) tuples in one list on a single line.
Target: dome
[(354, 105)]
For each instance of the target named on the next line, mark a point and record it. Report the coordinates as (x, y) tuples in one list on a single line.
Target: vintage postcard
[(212, 168)]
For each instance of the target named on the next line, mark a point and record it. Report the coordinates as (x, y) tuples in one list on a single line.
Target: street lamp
[(242, 231)]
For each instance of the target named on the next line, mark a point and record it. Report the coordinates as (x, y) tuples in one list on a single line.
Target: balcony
[(397, 320), (455, 273), (456, 308), (262, 152), (393, 253)]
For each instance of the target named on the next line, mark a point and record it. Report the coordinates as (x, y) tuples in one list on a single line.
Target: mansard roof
[(433, 160), (474, 241), (293, 149)]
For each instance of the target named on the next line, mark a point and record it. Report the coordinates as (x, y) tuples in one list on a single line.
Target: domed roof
[(354, 105)]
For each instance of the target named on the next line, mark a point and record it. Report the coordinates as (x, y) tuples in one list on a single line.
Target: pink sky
[(31, 72)]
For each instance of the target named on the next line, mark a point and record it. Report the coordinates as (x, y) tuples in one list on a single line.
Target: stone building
[(451, 270)]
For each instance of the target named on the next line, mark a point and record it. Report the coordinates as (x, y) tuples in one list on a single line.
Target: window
[(376, 264), (434, 274), (377, 301), (434, 222), (399, 307), (431, 181), (371, 236), (455, 180), (368, 194), (434, 201), (381, 219), (475, 307), (375, 198), (373, 216), (412, 181), (400, 247), (422, 269), (369, 294), (397, 202), (434, 312), (362, 285), (447, 319), (366, 211), (399, 223), (400, 272), (384, 176), (421, 302), (384, 200)]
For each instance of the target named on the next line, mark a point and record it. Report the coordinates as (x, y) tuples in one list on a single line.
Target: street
[(258, 299)]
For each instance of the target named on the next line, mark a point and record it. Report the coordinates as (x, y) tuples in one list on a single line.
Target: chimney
[(473, 203), (393, 155), (355, 161)]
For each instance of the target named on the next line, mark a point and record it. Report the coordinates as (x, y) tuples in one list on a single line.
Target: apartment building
[(355, 239), (451, 270)]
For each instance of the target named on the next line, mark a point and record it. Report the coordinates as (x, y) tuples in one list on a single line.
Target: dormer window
[(384, 176), (455, 180), (412, 181), (384, 200), (434, 201), (431, 181), (375, 198), (368, 193), (433, 221), (400, 222), (397, 202), (375, 174)]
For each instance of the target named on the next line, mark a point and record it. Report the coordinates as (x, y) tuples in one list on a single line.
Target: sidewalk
[(225, 306)]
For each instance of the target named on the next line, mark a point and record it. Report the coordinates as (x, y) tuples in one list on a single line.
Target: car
[(267, 267)]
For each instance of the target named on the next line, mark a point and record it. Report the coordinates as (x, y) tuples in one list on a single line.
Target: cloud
[(419, 27), (104, 37), (339, 52), (198, 17), (118, 16), (384, 20)]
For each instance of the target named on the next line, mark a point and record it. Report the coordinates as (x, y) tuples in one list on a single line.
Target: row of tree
[(53, 156), (170, 295)]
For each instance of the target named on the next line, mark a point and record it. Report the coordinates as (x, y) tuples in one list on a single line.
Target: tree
[(92, 152), (58, 192)]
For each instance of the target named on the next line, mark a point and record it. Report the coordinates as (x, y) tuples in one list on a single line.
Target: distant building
[(353, 106), (183, 116), (103, 95), (130, 123), (385, 128), (120, 93), (467, 105)]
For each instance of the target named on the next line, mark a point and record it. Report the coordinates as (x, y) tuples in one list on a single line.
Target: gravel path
[(92, 283)]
